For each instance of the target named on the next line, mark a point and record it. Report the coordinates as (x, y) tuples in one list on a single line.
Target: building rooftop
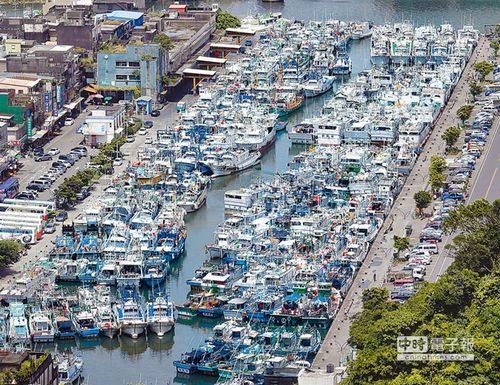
[(19, 82), (104, 111), (125, 15), (49, 47)]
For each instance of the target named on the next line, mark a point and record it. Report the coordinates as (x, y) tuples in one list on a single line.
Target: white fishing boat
[(343, 66), (130, 318), (233, 161), (69, 368), (160, 316), (316, 87), (41, 327)]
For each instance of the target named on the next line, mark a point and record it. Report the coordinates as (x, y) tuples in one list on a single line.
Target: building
[(104, 124), (13, 46), (45, 374), (136, 17), (132, 67), (100, 6), (15, 118), (59, 62), (180, 9)]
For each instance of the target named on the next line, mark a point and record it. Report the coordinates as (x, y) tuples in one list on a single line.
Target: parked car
[(43, 158), (84, 193), (148, 124), (26, 195), (54, 151), (61, 216), (142, 131), (130, 139), (38, 151), (67, 158), (38, 185), (69, 121), (58, 164), (50, 228), (117, 162), (81, 150), (155, 113)]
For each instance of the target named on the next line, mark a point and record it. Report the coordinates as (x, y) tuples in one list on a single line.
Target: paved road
[(486, 182), (64, 142), (335, 347)]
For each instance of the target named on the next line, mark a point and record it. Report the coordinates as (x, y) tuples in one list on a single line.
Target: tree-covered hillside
[(462, 307)]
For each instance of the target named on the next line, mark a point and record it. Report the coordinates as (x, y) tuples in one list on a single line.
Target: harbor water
[(150, 360)]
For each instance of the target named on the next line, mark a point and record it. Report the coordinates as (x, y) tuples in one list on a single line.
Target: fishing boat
[(160, 316), (155, 272), (41, 327), (194, 196), (65, 328), (288, 102), (315, 87), (69, 368), (232, 161), (106, 321), (342, 66), (18, 325), (130, 317), (130, 271), (85, 323)]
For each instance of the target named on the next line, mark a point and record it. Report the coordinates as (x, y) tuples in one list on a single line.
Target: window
[(121, 77), (134, 64), (134, 77), (121, 63)]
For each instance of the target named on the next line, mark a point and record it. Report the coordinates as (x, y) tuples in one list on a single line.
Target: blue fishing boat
[(65, 328), (155, 272), (85, 323)]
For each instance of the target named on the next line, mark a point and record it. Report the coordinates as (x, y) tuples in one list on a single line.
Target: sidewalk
[(335, 347)]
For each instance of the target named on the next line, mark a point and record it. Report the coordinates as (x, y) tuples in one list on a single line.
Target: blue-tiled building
[(137, 17), (139, 66)]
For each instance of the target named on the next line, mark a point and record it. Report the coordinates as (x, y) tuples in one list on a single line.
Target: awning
[(73, 105), (39, 134), (90, 88)]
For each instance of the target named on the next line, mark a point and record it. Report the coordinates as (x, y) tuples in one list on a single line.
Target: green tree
[(477, 246), (375, 298), (464, 112), (475, 89), (10, 250), (225, 20), (436, 172), (464, 304), (495, 46), (164, 41), (450, 136), (401, 243), (422, 200), (483, 68)]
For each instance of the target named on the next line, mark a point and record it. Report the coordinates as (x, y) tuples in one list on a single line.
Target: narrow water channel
[(149, 360)]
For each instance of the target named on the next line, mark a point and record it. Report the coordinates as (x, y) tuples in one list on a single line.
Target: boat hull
[(133, 330), (161, 327)]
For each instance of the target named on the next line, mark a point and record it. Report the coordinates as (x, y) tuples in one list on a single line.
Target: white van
[(429, 247)]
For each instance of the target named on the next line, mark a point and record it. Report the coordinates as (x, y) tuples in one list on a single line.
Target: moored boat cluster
[(289, 247)]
